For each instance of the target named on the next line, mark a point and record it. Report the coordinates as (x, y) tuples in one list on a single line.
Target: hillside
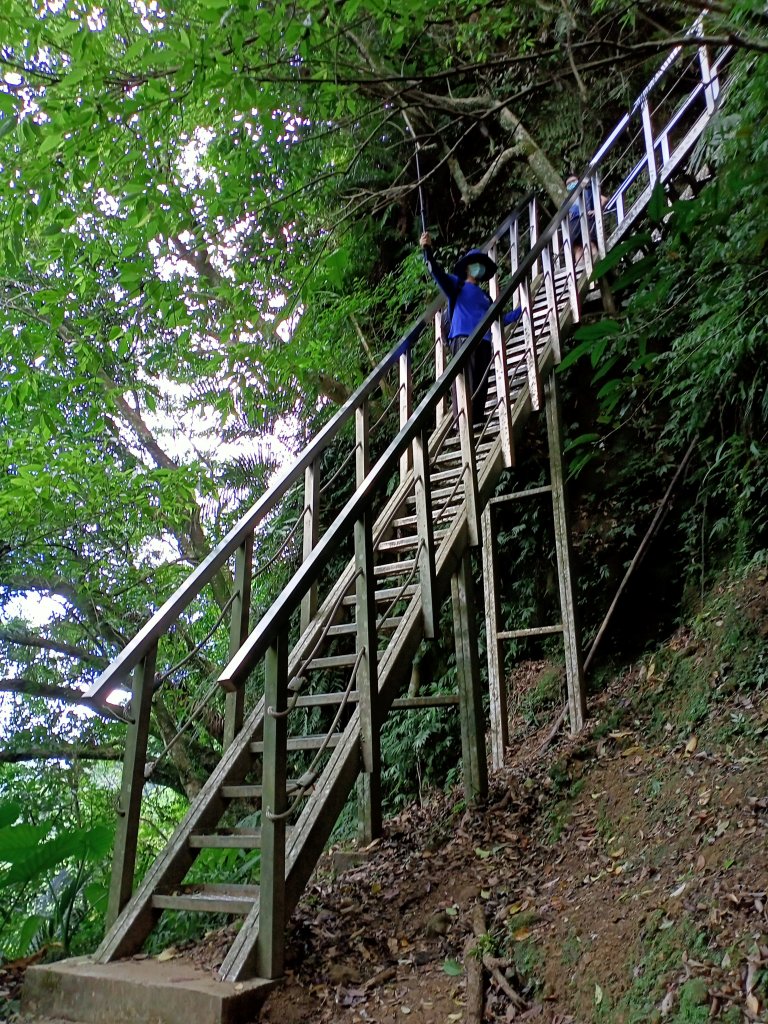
[(620, 876)]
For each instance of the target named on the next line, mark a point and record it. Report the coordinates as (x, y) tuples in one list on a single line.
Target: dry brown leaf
[(691, 745)]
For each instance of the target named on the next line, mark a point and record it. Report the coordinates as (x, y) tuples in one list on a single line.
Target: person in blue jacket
[(467, 304)]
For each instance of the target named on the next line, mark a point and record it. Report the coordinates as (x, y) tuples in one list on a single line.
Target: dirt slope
[(621, 876)]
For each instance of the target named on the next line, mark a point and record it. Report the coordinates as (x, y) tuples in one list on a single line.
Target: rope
[(401, 592), (271, 561), (308, 778), (159, 680)]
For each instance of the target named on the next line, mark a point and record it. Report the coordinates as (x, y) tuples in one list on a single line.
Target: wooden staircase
[(336, 647)]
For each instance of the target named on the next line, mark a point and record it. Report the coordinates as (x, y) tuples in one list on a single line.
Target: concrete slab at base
[(139, 992)]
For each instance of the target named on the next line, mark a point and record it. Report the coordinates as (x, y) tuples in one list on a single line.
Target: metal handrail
[(120, 668), (277, 617)]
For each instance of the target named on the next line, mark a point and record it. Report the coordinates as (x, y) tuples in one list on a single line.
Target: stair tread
[(302, 742)]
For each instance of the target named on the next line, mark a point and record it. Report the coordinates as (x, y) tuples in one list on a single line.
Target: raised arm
[(447, 283)]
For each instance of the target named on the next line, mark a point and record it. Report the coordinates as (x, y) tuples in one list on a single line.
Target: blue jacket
[(468, 301)]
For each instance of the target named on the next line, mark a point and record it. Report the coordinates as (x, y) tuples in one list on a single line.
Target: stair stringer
[(316, 822)]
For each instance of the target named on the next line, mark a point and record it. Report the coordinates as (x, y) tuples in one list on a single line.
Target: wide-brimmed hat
[(475, 256)]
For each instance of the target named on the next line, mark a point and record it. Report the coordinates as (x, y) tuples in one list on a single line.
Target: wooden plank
[(400, 568), (269, 950), (501, 388), (497, 683), (387, 594), (330, 661), (301, 743), (233, 841), (369, 791), (406, 406), (234, 708), (515, 634), (204, 902), (438, 700), (425, 532), (310, 534), (468, 682), (577, 700), (132, 788), (468, 458)]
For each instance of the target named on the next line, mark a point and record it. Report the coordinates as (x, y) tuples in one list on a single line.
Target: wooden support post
[(134, 763), (369, 785), (501, 376), (577, 702), (406, 407), (310, 536), (238, 632), (468, 679), (270, 946), (531, 356), (497, 684), (425, 534), (440, 363), (468, 459)]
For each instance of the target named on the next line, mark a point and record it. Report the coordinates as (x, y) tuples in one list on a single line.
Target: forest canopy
[(209, 223)]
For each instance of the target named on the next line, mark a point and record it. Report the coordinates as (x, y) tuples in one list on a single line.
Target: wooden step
[(248, 792), (330, 661), (350, 628), (398, 543), (301, 743), (514, 634), (211, 899), (388, 594), (234, 839), (401, 568)]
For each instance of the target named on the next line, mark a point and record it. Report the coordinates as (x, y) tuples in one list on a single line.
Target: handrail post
[(570, 269), (598, 211), (650, 149), (514, 253), (311, 531), (468, 459), (406, 405), (711, 84), (134, 764), (533, 217), (425, 534), (502, 378), (531, 357), (270, 947), (369, 788), (238, 631), (440, 364), (552, 310)]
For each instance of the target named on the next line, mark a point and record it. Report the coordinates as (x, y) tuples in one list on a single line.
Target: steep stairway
[(335, 649)]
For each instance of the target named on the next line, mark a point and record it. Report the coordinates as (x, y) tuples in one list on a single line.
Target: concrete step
[(138, 991)]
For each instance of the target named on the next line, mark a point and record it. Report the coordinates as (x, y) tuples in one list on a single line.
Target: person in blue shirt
[(467, 304), (574, 218)]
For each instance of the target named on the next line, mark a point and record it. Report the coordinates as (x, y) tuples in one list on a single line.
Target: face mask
[(571, 186), (476, 270)]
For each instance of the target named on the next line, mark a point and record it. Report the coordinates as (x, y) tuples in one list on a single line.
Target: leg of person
[(482, 361)]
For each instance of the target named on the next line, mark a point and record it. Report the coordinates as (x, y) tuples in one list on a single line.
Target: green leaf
[(27, 933), (658, 207), (7, 104), (9, 813), (620, 252), (50, 142), (452, 968)]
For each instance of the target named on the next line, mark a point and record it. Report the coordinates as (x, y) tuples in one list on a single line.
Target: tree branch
[(31, 688), (22, 639), (62, 752)]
